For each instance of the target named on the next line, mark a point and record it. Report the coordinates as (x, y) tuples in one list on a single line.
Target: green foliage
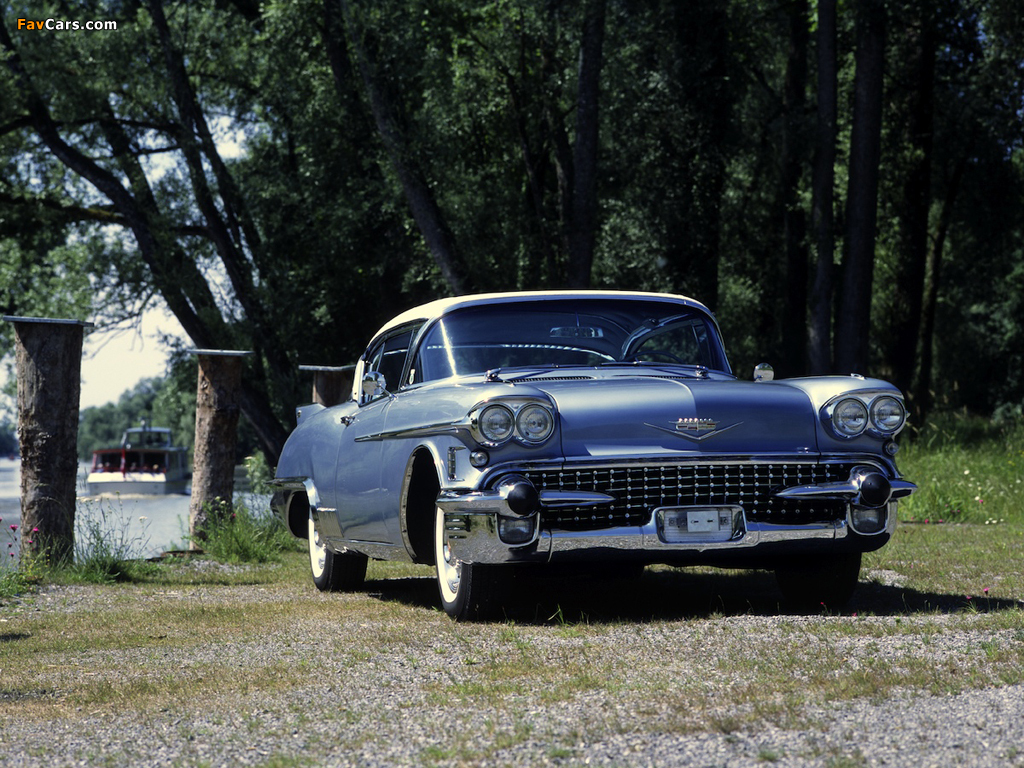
[(258, 473), (299, 183), (247, 533), (968, 470)]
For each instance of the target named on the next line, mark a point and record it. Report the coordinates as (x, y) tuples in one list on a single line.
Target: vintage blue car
[(488, 434)]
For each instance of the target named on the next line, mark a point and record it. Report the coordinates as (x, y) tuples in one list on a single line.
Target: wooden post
[(213, 470), (48, 356), (332, 384)]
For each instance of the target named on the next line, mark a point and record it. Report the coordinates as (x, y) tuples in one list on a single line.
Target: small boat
[(146, 463)]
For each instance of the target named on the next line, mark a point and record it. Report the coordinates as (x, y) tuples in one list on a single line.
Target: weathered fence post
[(48, 354), (213, 469), (332, 384)]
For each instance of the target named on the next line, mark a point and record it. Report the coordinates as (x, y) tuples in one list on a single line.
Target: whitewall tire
[(333, 571)]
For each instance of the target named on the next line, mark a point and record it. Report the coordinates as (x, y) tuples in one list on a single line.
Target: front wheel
[(333, 571), (821, 581), (467, 589)]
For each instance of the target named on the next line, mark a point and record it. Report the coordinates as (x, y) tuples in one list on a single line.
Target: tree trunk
[(916, 199), (48, 356), (922, 394), (794, 324), (585, 152), (819, 347), (853, 322), (694, 240), (213, 475), (418, 194)]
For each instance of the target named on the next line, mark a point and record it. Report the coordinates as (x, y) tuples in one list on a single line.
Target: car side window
[(686, 342), (387, 357)]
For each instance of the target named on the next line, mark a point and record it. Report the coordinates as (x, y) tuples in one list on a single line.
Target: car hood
[(650, 416)]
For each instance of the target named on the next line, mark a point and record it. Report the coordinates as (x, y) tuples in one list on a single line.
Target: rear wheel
[(333, 571), (467, 589), (821, 581)]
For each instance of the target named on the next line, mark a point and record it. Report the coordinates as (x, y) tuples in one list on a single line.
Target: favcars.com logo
[(62, 25)]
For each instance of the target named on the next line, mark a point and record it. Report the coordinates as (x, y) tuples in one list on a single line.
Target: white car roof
[(435, 309)]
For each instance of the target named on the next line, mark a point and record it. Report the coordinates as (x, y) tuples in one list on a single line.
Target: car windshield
[(589, 332)]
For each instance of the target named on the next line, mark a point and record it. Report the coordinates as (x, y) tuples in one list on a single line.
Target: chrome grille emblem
[(694, 428)]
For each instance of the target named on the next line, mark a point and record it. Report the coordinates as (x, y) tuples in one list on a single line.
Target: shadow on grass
[(675, 595)]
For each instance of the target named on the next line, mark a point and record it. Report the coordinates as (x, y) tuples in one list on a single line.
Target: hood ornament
[(694, 428)]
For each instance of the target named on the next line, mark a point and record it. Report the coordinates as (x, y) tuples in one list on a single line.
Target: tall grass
[(967, 469), (106, 550), (248, 531)]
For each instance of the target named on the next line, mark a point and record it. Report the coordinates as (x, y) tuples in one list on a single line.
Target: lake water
[(145, 525)]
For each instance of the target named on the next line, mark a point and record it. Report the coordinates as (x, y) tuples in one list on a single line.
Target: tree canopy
[(841, 183)]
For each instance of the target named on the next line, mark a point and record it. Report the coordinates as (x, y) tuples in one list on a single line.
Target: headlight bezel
[(850, 408), (518, 411), (486, 420), (871, 403), (523, 430), (878, 403)]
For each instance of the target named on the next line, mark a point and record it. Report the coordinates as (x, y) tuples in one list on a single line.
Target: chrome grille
[(638, 490)]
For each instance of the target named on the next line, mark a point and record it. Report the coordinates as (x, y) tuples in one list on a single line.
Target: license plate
[(700, 524), (701, 520)]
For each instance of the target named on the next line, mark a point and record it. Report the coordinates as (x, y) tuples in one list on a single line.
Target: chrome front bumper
[(472, 524)]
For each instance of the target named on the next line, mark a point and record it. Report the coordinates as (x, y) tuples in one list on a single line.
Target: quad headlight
[(535, 423), (527, 422), (850, 417), (887, 414), (496, 423), (856, 413)]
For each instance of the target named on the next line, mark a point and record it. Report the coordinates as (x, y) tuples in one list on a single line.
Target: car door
[(358, 478)]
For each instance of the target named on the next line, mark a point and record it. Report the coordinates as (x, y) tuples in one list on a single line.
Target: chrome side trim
[(431, 430), (288, 483)]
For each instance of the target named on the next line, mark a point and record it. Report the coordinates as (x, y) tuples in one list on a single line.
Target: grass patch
[(247, 533), (967, 469)]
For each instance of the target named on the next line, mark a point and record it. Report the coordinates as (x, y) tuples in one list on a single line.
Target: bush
[(248, 531)]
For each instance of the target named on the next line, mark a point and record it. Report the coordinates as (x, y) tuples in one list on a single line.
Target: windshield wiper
[(697, 371)]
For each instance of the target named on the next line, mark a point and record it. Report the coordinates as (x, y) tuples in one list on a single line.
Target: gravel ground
[(395, 685)]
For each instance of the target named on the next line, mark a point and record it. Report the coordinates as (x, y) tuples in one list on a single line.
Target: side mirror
[(763, 372), (374, 385)]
